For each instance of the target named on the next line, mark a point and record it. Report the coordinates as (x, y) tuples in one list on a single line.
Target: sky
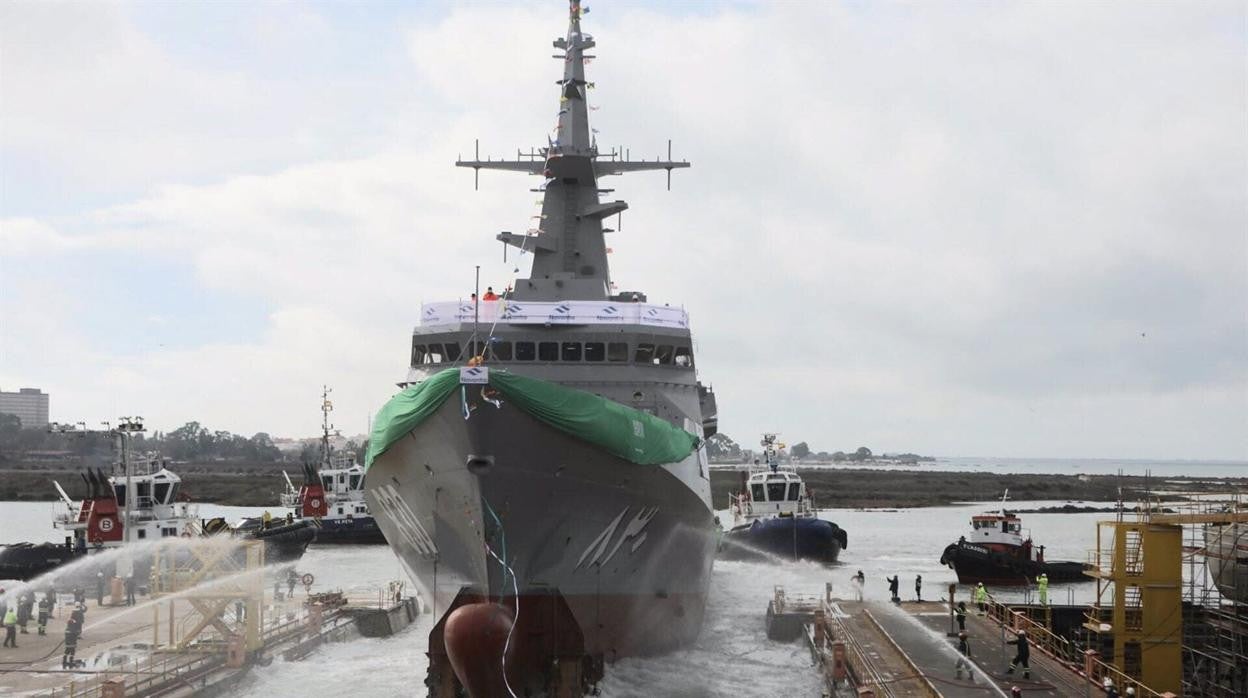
[(955, 228)]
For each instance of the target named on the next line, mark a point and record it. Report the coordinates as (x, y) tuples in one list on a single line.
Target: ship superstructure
[(542, 474)]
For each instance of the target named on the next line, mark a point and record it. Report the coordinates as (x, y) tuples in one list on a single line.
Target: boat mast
[(123, 432), (569, 252), (326, 408)]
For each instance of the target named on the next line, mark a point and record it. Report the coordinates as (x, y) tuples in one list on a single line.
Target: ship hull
[(975, 563), (27, 561), (786, 537), (1227, 559), (628, 547), (361, 530)]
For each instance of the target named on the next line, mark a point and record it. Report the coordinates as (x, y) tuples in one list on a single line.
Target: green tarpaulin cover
[(633, 435)]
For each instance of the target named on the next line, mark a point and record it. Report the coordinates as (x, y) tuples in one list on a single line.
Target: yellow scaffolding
[(1138, 568), (211, 579)]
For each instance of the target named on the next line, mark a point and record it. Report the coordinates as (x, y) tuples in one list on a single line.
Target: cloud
[(1013, 229)]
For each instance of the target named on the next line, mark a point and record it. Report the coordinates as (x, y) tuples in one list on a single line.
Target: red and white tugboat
[(996, 551), (140, 502)]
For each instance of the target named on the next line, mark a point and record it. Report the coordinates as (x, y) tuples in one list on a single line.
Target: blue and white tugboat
[(332, 494), (774, 515)]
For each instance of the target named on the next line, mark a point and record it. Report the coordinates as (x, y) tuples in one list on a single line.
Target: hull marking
[(414, 534), (601, 541)]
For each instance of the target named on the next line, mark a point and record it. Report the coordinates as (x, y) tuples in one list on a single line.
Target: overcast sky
[(954, 228)]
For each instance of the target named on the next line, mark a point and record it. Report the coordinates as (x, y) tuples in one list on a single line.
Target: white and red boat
[(109, 517)]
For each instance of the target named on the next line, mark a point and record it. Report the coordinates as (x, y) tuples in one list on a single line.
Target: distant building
[(29, 404)]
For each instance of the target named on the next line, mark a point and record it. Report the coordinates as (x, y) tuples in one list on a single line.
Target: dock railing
[(1086, 663)]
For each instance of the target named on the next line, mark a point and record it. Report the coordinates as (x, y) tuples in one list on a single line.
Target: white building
[(29, 404)]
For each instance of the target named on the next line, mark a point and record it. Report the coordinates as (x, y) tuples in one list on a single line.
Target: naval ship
[(542, 474)]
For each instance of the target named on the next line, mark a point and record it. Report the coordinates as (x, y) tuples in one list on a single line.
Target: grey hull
[(630, 547)]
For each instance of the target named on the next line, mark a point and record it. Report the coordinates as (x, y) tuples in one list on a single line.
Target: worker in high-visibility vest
[(981, 598), (1042, 582)]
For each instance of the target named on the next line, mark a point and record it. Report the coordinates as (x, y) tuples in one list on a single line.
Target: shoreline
[(840, 488)]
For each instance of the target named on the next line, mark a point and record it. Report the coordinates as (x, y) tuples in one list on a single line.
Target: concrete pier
[(910, 649)]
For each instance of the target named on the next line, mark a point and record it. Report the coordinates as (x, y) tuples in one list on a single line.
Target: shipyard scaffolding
[(1167, 624)]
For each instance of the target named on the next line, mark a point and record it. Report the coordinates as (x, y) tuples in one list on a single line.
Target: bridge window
[(775, 491), (355, 481), (162, 492), (450, 351), (684, 357), (756, 493), (526, 351), (327, 481), (571, 351), (120, 492), (501, 350), (645, 354), (794, 491), (548, 351), (142, 533), (617, 351), (664, 355), (434, 354), (418, 354), (595, 351)]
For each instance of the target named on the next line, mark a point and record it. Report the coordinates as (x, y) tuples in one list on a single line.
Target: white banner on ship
[(568, 312)]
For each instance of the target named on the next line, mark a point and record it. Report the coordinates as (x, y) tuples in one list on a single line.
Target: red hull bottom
[(546, 648)]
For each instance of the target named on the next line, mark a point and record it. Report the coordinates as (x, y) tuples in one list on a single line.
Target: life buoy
[(307, 579)]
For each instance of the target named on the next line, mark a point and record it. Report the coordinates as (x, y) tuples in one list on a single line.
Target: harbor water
[(732, 651)]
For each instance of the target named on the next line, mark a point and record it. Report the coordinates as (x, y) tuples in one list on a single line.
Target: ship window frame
[(451, 351), (355, 481), (775, 491), (434, 354), (757, 492), (595, 351), (795, 491), (548, 351), (571, 352), (526, 351), (161, 492), (617, 352), (419, 351), (683, 357), (644, 354), (500, 350), (663, 354)]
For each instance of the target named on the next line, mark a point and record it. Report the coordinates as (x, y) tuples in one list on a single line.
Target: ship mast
[(326, 408), (569, 252)]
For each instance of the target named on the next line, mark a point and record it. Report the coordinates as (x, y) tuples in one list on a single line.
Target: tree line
[(721, 447), (190, 442)]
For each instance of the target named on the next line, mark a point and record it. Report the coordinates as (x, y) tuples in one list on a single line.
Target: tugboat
[(141, 502), (332, 496), (99, 521), (774, 515), (995, 552), (541, 475)]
